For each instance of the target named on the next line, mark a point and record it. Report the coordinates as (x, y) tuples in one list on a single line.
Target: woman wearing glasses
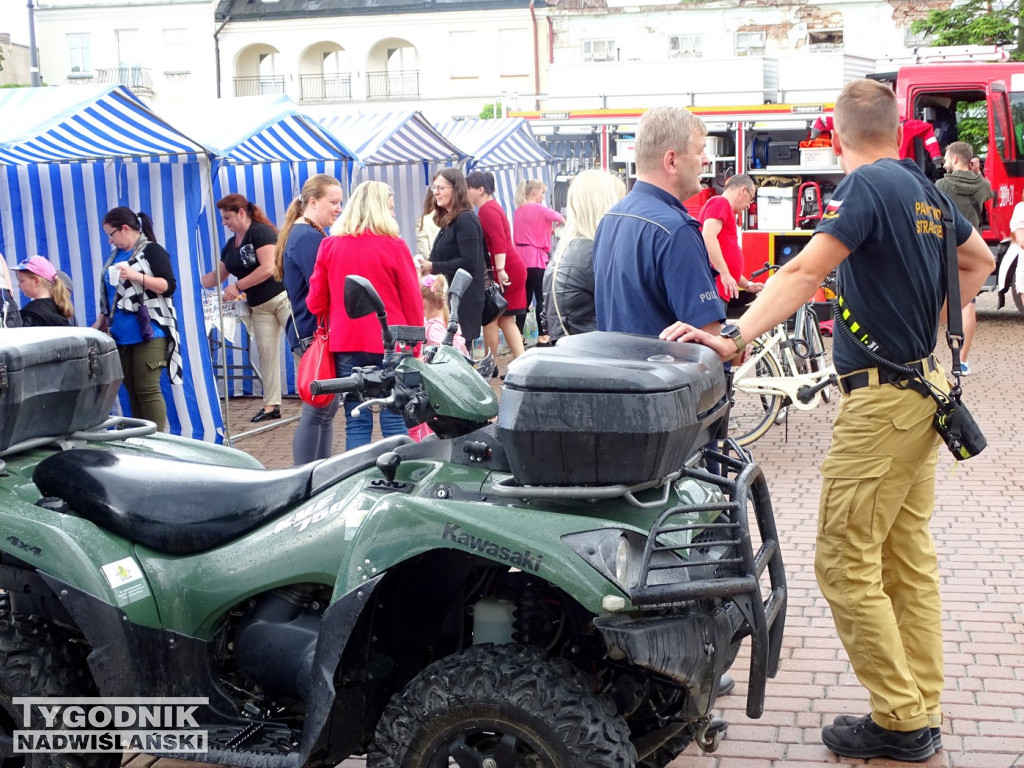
[(459, 245), (718, 227)]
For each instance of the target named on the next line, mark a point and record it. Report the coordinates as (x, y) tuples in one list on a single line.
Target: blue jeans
[(358, 429)]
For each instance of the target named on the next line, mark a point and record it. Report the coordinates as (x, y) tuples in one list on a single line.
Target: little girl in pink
[(435, 309)]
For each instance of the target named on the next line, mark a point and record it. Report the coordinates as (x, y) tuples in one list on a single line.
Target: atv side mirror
[(361, 298), (460, 284)]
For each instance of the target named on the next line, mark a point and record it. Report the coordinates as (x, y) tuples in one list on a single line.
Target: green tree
[(488, 112), (975, 22)]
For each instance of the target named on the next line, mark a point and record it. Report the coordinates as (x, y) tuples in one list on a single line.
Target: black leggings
[(535, 289)]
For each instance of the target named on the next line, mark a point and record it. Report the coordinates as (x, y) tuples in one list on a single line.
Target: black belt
[(852, 381)]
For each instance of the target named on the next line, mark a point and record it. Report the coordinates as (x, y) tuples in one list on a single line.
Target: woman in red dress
[(506, 264)]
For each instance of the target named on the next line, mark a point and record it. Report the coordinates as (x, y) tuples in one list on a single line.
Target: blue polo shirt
[(651, 267)]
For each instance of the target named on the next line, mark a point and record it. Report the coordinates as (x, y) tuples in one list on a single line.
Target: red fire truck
[(981, 103)]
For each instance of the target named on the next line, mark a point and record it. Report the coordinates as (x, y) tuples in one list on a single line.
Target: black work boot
[(865, 739), (853, 720)]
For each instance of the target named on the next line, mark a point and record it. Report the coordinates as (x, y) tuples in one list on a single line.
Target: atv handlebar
[(351, 383)]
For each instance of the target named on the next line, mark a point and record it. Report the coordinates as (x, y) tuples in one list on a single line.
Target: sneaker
[(853, 720), (866, 739), (262, 415), (725, 685), (965, 369)]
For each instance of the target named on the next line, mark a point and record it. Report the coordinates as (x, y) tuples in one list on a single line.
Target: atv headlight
[(623, 557), (613, 552)]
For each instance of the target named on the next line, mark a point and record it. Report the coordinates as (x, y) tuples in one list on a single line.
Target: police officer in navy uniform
[(875, 560)]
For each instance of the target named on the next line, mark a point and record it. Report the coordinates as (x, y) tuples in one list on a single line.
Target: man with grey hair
[(718, 225), (651, 267)]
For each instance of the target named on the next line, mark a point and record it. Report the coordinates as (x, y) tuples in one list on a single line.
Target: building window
[(80, 53), (128, 48), (599, 50), (825, 40), (514, 52), (685, 46), (463, 50), (916, 39), (750, 43), (175, 52)]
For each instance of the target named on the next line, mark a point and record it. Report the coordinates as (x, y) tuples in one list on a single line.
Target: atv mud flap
[(693, 648)]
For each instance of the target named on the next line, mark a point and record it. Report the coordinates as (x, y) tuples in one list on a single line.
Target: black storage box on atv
[(609, 408), (54, 381)]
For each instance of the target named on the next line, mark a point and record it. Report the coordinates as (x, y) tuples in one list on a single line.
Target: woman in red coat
[(506, 264), (367, 244)]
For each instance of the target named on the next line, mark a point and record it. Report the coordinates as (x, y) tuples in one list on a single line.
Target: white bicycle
[(783, 369)]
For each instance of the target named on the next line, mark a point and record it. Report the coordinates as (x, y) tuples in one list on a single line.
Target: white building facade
[(450, 58)]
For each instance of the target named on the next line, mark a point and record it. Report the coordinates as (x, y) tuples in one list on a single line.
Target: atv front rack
[(737, 573)]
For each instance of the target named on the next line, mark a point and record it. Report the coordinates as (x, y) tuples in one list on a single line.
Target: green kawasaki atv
[(556, 581)]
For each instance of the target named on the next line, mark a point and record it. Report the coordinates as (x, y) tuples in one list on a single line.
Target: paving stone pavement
[(979, 533)]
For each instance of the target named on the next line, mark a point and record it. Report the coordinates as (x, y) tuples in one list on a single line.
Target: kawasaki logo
[(524, 560)]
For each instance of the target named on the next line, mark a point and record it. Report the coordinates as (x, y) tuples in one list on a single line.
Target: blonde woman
[(365, 242), (569, 278), (305, 226)]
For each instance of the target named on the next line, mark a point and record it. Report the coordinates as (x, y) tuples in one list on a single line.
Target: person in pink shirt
[(532, 225)]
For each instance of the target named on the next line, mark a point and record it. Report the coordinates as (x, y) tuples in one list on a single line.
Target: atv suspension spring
[(529, 619)]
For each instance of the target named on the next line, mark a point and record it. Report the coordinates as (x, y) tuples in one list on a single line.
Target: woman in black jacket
[(459, 245), (569, 278)]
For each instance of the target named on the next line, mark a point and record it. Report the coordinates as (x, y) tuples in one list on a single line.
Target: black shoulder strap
[(954, 313)]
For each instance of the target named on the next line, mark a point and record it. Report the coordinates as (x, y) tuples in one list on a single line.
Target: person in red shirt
[(718, 227), (506, 264), (366, 243)]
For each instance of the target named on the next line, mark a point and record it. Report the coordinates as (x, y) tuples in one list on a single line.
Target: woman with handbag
[(506, 265), (366, 244), (459, 245), (569, 278), (249, 256), (136, 310), (305, 226)]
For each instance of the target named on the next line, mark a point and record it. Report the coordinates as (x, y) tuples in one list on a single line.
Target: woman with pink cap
[(49, 299)]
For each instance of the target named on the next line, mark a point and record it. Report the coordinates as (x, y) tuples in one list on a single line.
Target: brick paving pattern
[(979, 533)]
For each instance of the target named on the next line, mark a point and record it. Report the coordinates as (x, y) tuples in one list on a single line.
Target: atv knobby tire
[(39, 660), (501, 707)]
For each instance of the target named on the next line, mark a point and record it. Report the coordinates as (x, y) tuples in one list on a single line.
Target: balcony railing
[(259, 85), (325, 87), (136, 78), (403, 84)]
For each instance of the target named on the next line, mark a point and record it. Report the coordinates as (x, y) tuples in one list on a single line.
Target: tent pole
[(225, 408)]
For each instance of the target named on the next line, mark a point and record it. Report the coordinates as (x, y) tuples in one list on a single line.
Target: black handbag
[(495, 304)]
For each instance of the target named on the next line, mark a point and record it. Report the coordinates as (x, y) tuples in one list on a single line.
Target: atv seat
[(182, 507)]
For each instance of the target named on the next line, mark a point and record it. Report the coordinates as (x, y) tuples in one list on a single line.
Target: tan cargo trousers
[(875, 560)]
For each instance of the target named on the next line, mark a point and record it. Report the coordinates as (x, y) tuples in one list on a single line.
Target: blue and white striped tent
[(265, 149), (71, 154), (506, 148), (399, 148)]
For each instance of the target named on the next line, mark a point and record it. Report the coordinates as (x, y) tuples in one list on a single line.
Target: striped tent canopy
[(495, 143), (72, 154), (400, 149), (506, 148), (80, 123), (265, 148)]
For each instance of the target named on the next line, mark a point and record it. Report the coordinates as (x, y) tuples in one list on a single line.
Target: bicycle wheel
[(815, 349), (751, 414)]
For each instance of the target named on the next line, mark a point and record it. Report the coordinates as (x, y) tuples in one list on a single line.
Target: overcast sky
[(14, 19)]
